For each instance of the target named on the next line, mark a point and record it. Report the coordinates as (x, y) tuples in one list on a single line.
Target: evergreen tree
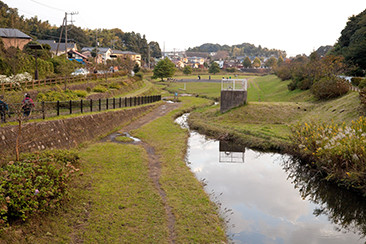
[(164, 69)]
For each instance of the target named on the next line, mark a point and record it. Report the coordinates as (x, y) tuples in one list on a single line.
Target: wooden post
[(70, 106), (120, 102), (114, 103), (106, 103), (58, 108), (43, 111), (91, 105), (125, 102), (81, 105), (100, 104)]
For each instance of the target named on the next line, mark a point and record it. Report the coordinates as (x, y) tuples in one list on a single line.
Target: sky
[(297, 27)]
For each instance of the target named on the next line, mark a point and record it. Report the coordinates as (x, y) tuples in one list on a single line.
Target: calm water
[(266, 198)]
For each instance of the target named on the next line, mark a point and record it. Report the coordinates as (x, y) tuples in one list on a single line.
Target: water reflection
[(343, 207), (266, 203), (231, 153)]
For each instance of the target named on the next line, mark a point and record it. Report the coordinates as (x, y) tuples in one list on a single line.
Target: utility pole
[(64, 25)]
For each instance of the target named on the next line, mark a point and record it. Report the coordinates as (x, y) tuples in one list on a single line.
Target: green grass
[(196, 216), (123, 139), (114, 201)]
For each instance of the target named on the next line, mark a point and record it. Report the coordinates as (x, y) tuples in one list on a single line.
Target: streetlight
[(35, 47)]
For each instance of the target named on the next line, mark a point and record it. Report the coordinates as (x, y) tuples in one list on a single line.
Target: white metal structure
[(234, 84)]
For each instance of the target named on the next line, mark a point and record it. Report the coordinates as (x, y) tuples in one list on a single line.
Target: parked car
[(80, 72)]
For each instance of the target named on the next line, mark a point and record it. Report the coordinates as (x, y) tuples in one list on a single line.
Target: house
[(135, 57), (104, 53), (14, 38), (58, 49), (75, 55)]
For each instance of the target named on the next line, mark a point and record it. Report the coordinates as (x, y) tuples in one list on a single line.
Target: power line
[(48, 6)]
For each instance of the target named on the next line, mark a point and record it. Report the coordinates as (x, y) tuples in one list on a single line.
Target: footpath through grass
[(196, 216), (115, 200)]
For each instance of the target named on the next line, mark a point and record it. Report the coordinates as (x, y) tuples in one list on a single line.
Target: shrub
[(330, 87), (35, 184), (356, 81), (80, 93), (115, 85), (53, 96), (338, 150), (139, 75), (362, 84), (100, 88)]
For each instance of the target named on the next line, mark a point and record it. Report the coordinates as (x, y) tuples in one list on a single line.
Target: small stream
[(268, 198)]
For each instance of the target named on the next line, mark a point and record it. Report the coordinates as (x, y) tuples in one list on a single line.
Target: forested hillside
[(244, 49)]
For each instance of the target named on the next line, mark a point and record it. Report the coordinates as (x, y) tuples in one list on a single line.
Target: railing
[(43, 110), (8, 86)]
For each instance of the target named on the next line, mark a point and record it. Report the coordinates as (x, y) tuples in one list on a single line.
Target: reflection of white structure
[(231, 153), (231, 157)]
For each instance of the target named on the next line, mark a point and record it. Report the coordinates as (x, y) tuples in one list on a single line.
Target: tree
[(280, 61), (164, 69), (352, 43), (257, 62), (247, 63), (271, 62), (214, 68), (187, 70)]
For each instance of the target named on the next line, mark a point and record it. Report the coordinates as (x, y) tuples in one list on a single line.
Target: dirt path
[(154, 160)]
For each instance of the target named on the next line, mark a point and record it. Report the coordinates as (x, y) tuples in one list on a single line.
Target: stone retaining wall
[(66, 133)]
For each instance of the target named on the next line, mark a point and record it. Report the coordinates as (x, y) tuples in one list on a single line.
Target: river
[(268, 198)]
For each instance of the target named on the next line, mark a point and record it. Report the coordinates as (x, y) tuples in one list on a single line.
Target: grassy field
[(260, 89), (264, 123)]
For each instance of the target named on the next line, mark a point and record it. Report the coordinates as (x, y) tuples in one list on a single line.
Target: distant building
[(58, 49), (14, 38), (104, 53), (135, 57)]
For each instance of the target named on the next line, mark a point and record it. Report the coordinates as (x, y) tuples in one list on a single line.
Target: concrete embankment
[(66, 133)]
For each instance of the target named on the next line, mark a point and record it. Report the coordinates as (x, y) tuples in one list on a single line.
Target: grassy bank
[(114, 199), (264, 123), (196, 216)]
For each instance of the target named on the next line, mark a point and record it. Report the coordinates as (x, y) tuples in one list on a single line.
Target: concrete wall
[(231, 99), (66, 133)]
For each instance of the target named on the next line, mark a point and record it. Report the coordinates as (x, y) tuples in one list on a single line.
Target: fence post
[(58, 108), (130, 102), (125, 102), (3, 87), (106, 103), (70, 106), (91, 105), (134, 101), (100, 104), (114, 103), (43, 111), (81, 105), (120, 102)]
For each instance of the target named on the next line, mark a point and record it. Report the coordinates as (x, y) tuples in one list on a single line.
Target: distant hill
[(244, 49)]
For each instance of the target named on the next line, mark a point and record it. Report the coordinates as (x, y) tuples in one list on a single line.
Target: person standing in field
[(27, 105)]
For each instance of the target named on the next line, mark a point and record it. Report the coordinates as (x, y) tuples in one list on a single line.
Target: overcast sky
[(294, 26)]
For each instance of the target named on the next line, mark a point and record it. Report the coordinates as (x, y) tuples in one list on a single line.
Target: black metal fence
[(43, 110)]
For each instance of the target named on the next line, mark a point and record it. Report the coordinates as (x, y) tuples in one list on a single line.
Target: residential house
[(135, 57), (195, 62), (104, 53), (58, 49), (14, 38), (75, 55)]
